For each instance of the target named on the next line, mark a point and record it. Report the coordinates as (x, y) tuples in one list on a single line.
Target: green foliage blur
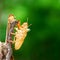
[(43, 41)]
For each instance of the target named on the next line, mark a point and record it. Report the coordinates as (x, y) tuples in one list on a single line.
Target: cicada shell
[(20, 35)]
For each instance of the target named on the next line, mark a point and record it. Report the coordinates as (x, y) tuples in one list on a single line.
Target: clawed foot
[(10, 41)]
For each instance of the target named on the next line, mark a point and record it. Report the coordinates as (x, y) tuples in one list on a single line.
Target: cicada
[(20, 34)]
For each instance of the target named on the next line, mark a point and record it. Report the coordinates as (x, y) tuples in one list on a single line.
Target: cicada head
[(10, 18), (25, 25)]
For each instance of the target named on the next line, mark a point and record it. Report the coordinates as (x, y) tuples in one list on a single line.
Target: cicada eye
[(16, 29), (28, 30)]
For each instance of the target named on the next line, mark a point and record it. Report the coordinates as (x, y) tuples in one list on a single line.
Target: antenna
[(28, 24), (27, 19)]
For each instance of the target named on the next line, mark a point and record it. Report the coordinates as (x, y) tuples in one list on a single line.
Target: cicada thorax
[(20, 35)]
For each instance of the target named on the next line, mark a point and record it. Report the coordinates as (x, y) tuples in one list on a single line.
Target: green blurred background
[(43, 41)]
